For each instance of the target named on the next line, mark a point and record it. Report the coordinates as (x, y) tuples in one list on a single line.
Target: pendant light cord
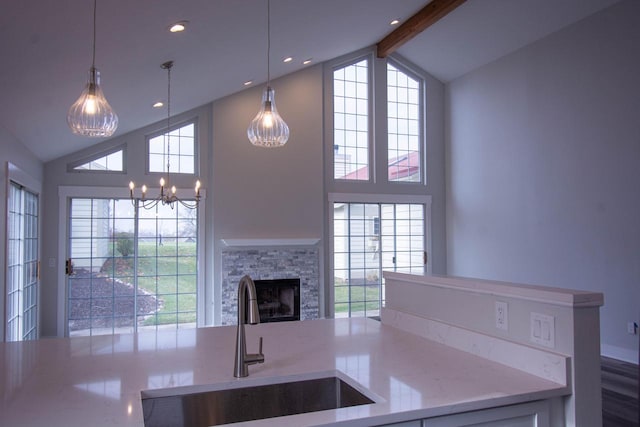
[(93, 61), (268, 42), (168, 65)]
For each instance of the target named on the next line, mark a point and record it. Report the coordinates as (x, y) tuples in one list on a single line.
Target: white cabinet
[(414, 423), (532, 414)]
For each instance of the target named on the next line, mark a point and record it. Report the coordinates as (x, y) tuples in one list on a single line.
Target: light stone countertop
[(96, 381)]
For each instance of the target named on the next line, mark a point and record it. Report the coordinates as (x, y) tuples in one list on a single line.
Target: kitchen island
[(98, 380)]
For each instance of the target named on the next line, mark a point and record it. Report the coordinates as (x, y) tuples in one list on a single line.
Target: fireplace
[(269, 259), (278, 299)]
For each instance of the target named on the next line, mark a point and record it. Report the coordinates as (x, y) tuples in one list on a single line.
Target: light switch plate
[(502, 315), (543, 330)]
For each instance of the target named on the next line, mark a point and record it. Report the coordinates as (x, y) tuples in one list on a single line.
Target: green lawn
[(360, 297), (169, 271)]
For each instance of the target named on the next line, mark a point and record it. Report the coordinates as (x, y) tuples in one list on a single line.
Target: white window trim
[(374, 198), (66, 193)]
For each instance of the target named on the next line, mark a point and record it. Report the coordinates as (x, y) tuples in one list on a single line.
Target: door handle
[(68, 269)]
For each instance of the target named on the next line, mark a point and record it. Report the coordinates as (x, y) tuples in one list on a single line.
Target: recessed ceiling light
[(248, 82), (394, 22), (158, 104), (287, 59), (306, 61), (178, 27)]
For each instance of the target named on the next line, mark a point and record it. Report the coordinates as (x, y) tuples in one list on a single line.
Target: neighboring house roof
[(399, 168)]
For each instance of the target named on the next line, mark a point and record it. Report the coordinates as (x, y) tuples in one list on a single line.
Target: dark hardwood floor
[(619, 394)]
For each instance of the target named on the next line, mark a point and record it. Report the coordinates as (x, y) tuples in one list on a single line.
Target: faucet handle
[(260, 346)]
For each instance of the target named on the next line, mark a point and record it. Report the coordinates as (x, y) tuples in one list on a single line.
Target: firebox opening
[(278, 299)]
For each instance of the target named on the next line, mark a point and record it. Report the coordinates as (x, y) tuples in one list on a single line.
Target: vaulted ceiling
[(46, 50)]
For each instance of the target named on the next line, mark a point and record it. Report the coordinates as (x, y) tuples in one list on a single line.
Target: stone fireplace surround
[(264, 259)]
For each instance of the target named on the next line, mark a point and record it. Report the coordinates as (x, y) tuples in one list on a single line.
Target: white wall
[(11, 150), (543, 182)]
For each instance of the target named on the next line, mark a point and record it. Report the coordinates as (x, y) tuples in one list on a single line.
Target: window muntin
[(351, 121), (176, 148), (132, 270), (367, 239), (403, 126), (112, 162)]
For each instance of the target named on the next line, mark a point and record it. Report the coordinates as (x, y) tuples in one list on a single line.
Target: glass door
[(22, 264), (130, 268)]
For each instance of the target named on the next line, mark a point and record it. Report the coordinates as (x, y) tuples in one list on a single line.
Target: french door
[(22, 280), (367, 239), (130, 268)]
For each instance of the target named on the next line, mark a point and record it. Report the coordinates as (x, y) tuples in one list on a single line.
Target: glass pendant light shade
[(268, 129), (91, 114)]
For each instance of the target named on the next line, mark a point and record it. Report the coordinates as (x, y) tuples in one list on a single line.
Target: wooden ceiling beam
[(427, 16)]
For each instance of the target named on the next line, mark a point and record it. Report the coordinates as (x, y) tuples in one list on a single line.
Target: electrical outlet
[(543, 330), (632, 328), (502, 315)]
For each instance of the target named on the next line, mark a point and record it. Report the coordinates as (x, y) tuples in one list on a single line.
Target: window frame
[(332, 198), (370, 116), (19, 176), (378, 181), (378, 189), (66, 193), (71, 167), (407, 69), (163, 131), (23, 324)]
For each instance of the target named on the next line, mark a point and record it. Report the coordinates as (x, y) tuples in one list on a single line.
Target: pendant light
[(91, 114), (268, 129), (168, 192)]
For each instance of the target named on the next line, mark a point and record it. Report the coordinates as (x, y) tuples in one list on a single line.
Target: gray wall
[(268, 193), (11, 150), (543, 148)]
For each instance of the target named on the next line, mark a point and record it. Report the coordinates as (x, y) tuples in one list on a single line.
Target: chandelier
[(168, 192), (91, 114), (268, 129)]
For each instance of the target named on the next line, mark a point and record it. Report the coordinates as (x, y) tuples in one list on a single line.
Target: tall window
[(378, 224), (176, 148), (132, 268), (403, 126), (367, 239), (22, 264), (351, 121)]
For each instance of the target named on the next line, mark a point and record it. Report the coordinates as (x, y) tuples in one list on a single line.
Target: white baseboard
[(624, 354)]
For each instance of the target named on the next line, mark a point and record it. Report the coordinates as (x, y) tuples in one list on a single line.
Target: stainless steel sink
[(230, 405)]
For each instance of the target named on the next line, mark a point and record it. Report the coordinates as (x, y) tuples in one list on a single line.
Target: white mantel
[(258, 242)]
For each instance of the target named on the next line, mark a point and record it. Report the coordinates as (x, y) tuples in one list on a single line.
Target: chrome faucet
[(247, 313)]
